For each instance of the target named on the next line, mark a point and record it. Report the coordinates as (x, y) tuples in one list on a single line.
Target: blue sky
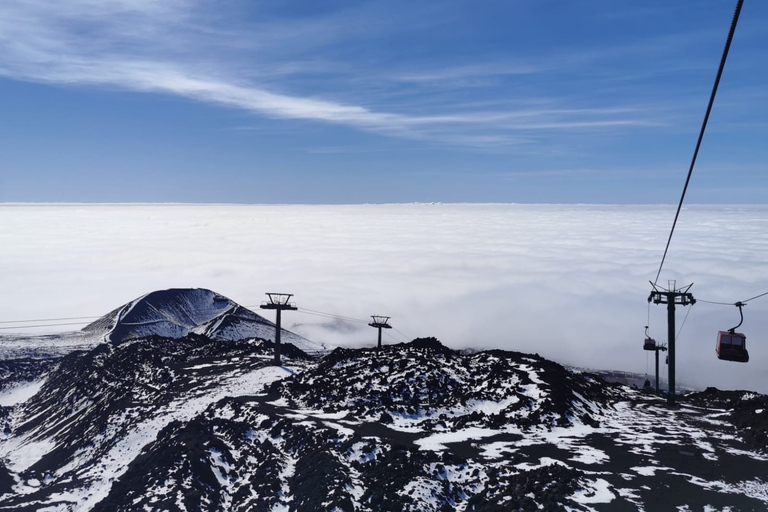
[(354, 101)]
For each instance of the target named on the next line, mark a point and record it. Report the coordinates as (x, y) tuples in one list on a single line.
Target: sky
[(569, 282), (333, 102)]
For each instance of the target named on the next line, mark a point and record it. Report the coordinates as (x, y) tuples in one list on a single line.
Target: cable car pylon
[(279, 302), (652, 345), (380, 322), (671, 297)]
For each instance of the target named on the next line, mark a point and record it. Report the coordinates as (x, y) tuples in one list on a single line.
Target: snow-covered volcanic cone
[(166, 314), (177, 312)]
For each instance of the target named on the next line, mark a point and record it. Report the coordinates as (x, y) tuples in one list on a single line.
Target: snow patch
[(597, 491), (437, 442), (20, 393)]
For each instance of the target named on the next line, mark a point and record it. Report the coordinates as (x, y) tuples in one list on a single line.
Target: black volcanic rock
[(405, 380), (432, 344), (193, 423), (13, 371), (748, 412), (92, 403)]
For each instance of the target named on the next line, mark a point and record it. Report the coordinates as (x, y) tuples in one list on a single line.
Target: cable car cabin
[(649, 344), (732, 346)]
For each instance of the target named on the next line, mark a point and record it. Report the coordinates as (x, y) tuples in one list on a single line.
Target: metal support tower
[(380, 322), (279, 302), (671, 297), (658, 348)]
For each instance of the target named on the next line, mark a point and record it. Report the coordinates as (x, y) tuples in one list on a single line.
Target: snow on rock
[(20, 392), (593, 491), (176, 312), (439, 440), (96, 412), (197, 423)]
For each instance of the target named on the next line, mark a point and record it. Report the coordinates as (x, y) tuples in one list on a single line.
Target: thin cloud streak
[(549, 173), (469, 71), (141, 46)]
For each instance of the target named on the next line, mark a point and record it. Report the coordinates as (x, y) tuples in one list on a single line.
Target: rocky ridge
[(194, 423), (169, 314)]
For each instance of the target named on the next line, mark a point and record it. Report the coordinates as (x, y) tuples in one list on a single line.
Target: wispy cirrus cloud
[(468, 72), (548, 173), (183, 48)]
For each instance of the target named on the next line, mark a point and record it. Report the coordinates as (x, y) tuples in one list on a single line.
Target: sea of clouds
[(569, 282)]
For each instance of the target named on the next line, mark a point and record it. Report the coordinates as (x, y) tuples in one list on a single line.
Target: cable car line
[(99, 316), (89, 318), (324, 314), (49, 319), (41, 325), (393, 338), (688, 312), (320, 315), (717, 303), (334, 315), (733, 303), (703, 128), (403, 334), (648, 322), (755, 297)]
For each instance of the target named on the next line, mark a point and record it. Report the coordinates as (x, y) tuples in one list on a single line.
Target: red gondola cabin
[(649, 344), (732, 346)]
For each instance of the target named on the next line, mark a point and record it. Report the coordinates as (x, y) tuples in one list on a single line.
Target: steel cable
[(703, 128)]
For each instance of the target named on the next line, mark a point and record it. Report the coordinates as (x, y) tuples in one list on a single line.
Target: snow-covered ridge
[(194, 423), (71, 433), (176, 312)]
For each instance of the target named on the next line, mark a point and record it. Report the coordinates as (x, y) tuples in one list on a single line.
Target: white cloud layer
[(569, 282)]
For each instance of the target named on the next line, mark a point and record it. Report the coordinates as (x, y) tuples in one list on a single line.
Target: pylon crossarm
[(291, 306), (281, 299), (380, 321)]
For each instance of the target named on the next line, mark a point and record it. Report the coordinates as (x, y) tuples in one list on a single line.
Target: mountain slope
[(172, 313), (200, 424), (95, 411)]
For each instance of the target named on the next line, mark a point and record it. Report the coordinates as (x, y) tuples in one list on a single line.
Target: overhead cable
[(733, 303), (703, 128), (402, 333), (41, 325), (753, 298), (332, 315), (677, 336), (49, 319)]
